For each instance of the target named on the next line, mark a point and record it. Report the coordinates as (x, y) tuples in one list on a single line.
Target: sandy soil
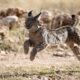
[(44, 59), (47, 57)]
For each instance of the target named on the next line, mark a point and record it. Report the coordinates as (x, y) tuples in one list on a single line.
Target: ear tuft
[(37, 15), (30, 13)]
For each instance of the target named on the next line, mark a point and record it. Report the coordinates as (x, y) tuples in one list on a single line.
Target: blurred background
[(69, 5)]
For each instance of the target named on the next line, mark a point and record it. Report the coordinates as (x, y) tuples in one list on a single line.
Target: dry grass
[(14, 40), (27, 73)]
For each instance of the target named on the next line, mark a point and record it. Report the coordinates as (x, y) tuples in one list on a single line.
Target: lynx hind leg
[(75, 37), (76, 52), (74, 48), (26, 46), (76, 40)]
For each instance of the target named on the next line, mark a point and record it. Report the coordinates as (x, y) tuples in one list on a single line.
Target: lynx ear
[(30, 13), (37, 15), (73, 16)]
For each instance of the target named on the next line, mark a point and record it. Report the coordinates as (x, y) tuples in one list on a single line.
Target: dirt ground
[(46, 65), (46, 57)]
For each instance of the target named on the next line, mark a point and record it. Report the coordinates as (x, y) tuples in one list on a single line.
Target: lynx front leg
[(26, 46), (36, 49)]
